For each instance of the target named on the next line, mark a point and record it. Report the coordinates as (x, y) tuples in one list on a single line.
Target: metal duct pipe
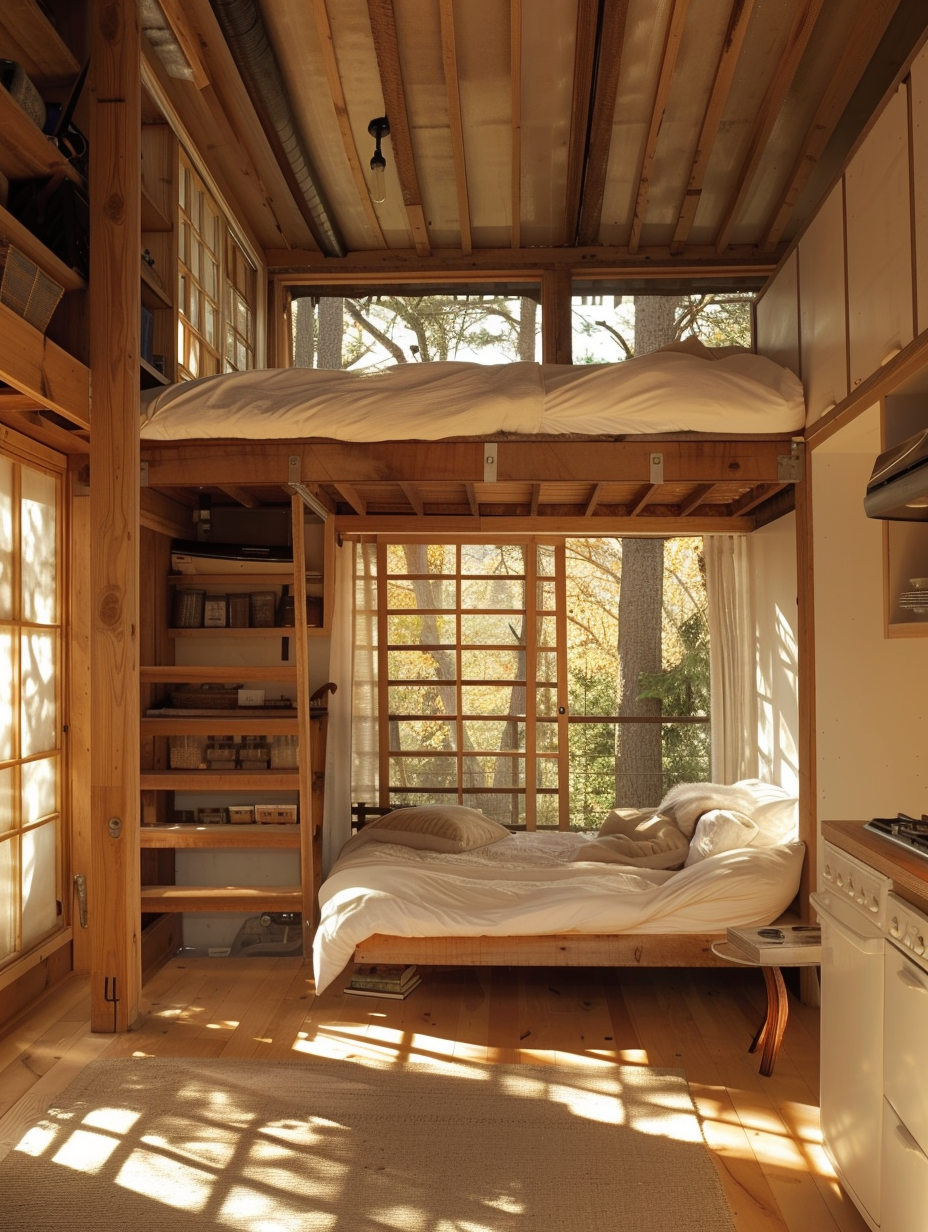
[(245, 33)]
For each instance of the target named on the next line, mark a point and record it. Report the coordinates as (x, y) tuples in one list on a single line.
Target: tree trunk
[(331, 329), (304, 341), (639, 760), (528, 316)]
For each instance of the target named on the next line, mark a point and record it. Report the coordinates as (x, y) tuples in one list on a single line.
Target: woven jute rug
[(155, 1145)]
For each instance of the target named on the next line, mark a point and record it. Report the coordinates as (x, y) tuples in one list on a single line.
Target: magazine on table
[(778, 945)]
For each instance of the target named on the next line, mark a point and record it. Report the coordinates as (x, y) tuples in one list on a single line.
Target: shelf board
[(200, 674), (219, 780), (153, 219), (23, 239), (203, 581), (150, 377), (154, 295), (194, 835), (265, 631), (272, 725), (158, 898), (26, 152), (31, 40)]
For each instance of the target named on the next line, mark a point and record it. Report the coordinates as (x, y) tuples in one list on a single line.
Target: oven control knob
[(895, 928), (839, 880), (919, 946), (874, 903), (828, 873)]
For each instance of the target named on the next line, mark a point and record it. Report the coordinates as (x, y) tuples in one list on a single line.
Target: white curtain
[(733, 658), (351, 766)]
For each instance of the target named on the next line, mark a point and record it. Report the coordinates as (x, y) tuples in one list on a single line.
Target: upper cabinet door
[(823, 308), (776, 322), (919, 88), (880, 279)]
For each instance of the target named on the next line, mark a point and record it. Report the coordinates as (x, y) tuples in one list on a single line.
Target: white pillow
[(686, 802), (777, 822), (720, 830)]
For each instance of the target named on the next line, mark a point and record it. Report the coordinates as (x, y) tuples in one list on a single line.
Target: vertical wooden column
[(80, 709), (805, 666), (556, 327), (307, 843), (115, 212)]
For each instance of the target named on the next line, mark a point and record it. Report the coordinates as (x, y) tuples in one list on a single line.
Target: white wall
[(775, 615), (871, 692)]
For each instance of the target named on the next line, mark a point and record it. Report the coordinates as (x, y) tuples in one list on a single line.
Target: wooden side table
[(769, 1035)]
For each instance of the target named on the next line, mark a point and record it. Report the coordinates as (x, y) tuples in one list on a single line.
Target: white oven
[(905, 1075), (851, 903)]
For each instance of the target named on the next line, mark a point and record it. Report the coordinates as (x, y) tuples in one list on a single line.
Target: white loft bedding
[(684, 388), (531, 885)]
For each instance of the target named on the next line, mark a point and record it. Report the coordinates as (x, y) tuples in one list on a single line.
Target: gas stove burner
[(909, 832)]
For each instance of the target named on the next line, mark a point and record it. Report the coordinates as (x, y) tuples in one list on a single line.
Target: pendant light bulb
[(378, 129)]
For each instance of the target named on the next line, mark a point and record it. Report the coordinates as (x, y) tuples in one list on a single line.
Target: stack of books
[(384, 980), (778, 945)]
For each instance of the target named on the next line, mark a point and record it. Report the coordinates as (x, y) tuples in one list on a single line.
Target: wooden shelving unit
[(165, 837)]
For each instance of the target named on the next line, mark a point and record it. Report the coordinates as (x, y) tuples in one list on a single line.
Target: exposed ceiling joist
[(587, 27), (449, 58), (697, 497), (383, 27), (605, 92), (515, 108)]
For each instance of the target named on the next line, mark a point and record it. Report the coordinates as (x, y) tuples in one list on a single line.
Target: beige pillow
[(448, 828)]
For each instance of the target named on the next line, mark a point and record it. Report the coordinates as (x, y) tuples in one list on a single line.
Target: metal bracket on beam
[(657, 468), (143, 474), (293, 469), (489, 464), (790, 466)]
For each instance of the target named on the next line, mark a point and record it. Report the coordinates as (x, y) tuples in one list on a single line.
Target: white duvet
[(533, 884), (686, 388)]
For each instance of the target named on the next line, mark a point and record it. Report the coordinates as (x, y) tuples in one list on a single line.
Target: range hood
[(897, 490)]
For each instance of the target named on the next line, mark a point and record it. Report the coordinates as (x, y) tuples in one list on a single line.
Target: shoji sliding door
[(31, 788)]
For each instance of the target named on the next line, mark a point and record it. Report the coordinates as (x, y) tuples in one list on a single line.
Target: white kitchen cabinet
[(823, 308)]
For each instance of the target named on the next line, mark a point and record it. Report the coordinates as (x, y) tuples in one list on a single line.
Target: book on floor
[(393, 977), (391, 994), (778, 945)]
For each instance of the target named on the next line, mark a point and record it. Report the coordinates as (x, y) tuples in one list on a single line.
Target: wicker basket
[(26, 289), (187, 609), (208, 697)]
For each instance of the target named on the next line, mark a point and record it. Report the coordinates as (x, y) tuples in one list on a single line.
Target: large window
[(216, 286), (542, 681), (30, 725)]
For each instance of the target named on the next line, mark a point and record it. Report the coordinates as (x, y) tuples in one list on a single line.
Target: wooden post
[(556, 323), (115, 196)]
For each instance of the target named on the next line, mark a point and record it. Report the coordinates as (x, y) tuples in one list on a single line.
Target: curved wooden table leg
[(770, 1032)]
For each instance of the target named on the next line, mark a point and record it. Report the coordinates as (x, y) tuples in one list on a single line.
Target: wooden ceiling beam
[(241, 496), (334, 78), (595, 497), (672, 40), (515, 107), (868, 30), (415, 500), (696, 498), (386, 45), (352, 497), (177, 19), (450, 61), (471, 490), (724, 75), (35, 425), (580, 105), (516, 524), (605, 90), (796, 43), (742, 260), (644, 498)]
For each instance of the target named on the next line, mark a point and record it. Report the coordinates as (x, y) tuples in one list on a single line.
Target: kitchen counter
[(909, 872)]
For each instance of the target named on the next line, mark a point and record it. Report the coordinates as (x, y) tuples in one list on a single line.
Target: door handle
[(911, 980)]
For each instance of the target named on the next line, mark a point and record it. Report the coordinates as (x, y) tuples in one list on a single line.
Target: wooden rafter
[(415, 500), (333, 76), (383, 27), (724, 74), (450, 60), (515, 106), (643, 499), (796, 43), (868, 30), (612, 39), (353, 497), (672, 42), (241, 496), (757, 496), (471, 490), (39, 428), (595, 497), (536, 497), (584, 64), (176, 17)]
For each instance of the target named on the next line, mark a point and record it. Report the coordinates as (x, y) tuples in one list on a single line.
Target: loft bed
[(687, 433), (682, 441)]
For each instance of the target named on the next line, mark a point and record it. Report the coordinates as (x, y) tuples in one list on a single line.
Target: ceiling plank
[(449, 58), (697, 498), (724, 75), (536, 497), (757, 496), (415, 500), (581, 101), (515, 95), (796, 43), (868, 30), (177, 19), (612, 40), (383, 26), (672, 40), (333, 76)]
